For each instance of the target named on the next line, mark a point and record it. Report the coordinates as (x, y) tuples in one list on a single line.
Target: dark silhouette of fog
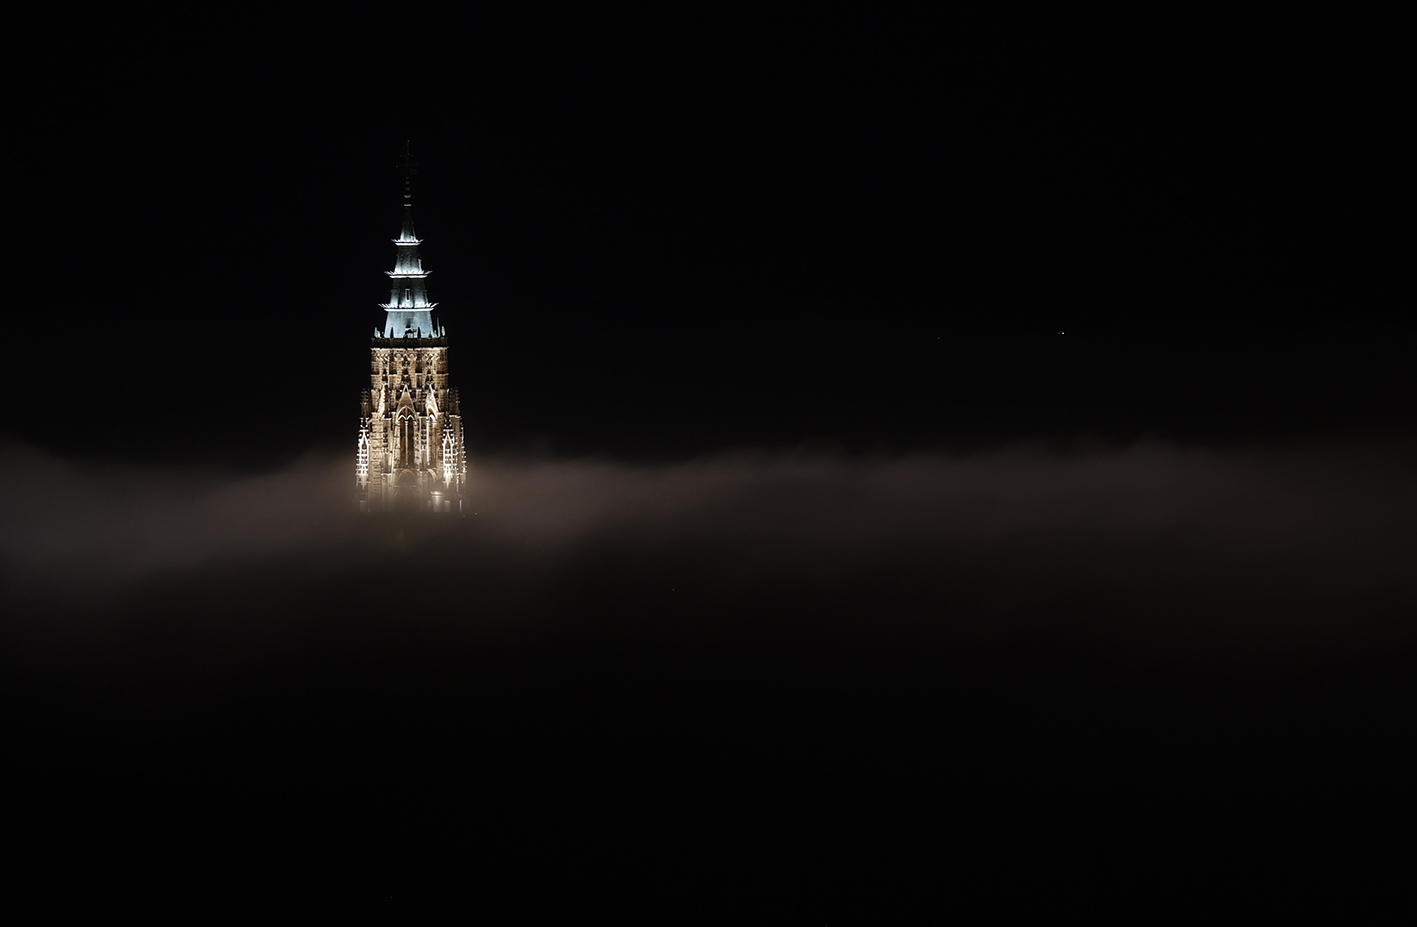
[(863, 685), (1219, 542)]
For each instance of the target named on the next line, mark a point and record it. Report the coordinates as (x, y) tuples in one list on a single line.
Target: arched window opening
[(407, 433)]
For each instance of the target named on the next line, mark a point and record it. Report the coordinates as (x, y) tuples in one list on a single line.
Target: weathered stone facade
[(411, 451), (411, 454)]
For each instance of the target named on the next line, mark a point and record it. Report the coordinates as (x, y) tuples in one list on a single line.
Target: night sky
[(928, 462)]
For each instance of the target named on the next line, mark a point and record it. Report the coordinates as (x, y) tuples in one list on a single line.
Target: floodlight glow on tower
[(411, 454)]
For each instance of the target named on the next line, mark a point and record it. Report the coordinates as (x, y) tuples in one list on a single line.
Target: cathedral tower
[(411, 455)]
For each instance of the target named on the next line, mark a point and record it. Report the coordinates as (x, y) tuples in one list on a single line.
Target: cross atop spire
[(409, 168)]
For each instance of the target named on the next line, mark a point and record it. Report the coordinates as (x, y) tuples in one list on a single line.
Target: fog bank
[(1238, 540)]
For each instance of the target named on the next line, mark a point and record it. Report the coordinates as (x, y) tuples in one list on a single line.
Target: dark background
[(657, 234), (654, 235)]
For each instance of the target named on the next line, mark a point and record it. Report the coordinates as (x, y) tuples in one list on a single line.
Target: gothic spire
[(409, 313)]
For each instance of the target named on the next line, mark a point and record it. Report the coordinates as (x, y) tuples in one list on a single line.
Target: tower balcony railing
[(439, 342)]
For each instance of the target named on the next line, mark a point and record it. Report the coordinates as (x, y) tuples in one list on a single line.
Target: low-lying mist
[(647, 676), (1141, 540)]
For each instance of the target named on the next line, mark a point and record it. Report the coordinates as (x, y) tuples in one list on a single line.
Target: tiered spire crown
[(409, 311)]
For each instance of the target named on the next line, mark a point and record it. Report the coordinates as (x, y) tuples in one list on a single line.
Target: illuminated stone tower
[(411, 455)]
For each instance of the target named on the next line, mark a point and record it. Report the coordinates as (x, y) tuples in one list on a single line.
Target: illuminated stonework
[(410, 455)]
